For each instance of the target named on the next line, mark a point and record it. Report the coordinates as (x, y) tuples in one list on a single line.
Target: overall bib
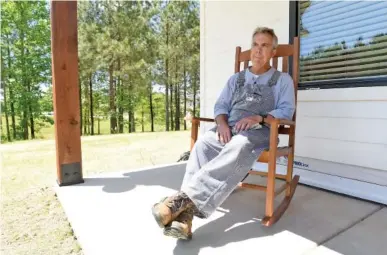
[(214, 169)]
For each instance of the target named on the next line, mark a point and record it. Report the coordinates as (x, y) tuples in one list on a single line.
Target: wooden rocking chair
[(278, 126)]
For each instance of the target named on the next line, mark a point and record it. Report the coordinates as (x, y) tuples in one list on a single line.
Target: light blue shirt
[(284, 98)]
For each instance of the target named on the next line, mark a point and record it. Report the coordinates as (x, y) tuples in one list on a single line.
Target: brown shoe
[(181, 227), (198, 213), (169, 208)]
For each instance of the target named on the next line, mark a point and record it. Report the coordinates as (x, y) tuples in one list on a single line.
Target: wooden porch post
[(64, 47)]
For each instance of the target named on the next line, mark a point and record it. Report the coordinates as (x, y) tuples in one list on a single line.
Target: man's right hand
[(224, 133)]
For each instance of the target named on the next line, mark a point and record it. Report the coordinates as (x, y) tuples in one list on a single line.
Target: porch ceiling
[(110, 214)]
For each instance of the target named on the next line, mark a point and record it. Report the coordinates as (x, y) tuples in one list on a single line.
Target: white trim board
[(355, 188)]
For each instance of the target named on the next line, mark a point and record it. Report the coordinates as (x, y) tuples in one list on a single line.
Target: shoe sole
[(176, 233), (156, 214), (157, 217)]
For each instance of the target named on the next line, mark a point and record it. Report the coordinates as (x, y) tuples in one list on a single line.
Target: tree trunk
[(171, 103), (121, 99), (87, 109), (133, 120), (32, 126), (6, 115), (185, 94), (80, 104), (88, 121), (29, 101), (167, 86), (121, 119), (177, 98), (142, 118), (25, 125), (91, 103), (11, 96), (3, 85), (24, 82), (194, 95), (6, 110), (151, 108), (132, 126), (99, 127), (129, 127), (112, 105), (85, 122)]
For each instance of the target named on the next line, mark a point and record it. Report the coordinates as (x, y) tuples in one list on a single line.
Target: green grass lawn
[(32, 219), (47, 131)]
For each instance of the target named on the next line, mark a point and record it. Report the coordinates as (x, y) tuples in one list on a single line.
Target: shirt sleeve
[(285, 106), (223, 103)]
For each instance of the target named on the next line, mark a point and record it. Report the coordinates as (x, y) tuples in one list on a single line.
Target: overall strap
[(274, 78), (241, 79)]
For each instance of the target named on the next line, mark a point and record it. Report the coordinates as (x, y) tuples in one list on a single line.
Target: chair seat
[(281, 151)]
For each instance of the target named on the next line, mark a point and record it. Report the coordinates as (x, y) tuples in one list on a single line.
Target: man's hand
[(223, 130), (224, 133), (247, 123)]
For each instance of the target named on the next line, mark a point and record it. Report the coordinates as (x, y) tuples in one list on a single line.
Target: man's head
[(263, 46)]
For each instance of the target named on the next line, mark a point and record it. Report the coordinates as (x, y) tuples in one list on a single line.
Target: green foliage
[(26, 63), (122, 51)]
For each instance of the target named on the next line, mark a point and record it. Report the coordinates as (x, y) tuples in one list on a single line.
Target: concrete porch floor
[(110, 214)]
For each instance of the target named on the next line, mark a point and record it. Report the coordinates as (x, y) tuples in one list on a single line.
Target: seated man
[(222, 157)]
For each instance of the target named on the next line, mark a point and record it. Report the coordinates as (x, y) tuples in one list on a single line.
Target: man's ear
[(274, 52)]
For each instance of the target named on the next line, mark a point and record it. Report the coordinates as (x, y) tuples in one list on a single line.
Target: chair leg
[(271, 215), (270, 188), (289, 173), (279, 211)]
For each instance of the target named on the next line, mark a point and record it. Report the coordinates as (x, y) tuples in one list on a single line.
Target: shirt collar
[(251, 76)]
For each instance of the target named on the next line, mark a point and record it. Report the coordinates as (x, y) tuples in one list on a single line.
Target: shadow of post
[(169, 176)]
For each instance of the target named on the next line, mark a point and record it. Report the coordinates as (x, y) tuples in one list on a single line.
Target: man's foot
[(169, 208), (181, 227), (198, 213)]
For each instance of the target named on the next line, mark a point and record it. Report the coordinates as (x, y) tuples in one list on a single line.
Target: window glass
[(342, 40)]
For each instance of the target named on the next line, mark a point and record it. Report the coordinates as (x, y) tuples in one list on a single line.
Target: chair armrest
[(202, 119), (195, 127), (277, 122)]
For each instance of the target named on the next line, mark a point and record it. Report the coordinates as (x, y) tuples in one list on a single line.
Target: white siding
[(344, 125)]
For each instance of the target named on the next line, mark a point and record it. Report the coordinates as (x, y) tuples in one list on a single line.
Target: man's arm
[(223, 103), (222, 109), (286, 100), (221, 119)]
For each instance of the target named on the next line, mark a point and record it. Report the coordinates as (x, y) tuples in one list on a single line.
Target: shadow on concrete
[(169, 176), (312, 218)]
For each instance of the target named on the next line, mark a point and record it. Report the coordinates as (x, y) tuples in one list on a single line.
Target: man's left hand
[(247, 123)]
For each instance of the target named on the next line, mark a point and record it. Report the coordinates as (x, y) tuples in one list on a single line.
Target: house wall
[(343, 126), (226, 25)]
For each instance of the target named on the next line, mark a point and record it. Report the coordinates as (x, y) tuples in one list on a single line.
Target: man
[(222, 157)]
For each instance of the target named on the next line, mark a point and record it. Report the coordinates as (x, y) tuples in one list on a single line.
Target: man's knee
[(208, 137), (240, 143)]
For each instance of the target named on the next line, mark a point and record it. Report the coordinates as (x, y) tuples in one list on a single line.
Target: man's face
[(262, 50)]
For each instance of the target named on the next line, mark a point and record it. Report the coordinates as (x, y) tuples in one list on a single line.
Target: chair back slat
[(285, 67), (275, 62), (246, 65)]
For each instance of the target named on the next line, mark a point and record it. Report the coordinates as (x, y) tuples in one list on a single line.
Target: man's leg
[(205, 149), (209, 187)]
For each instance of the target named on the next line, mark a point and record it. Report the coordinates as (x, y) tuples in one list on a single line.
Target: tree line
[(138, 66)]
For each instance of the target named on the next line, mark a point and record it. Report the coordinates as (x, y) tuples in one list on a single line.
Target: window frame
[(294, 21)]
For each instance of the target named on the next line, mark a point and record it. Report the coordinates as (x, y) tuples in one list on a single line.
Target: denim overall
[(215, 169)]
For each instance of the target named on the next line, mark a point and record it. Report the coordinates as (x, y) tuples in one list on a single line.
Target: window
[(342, 44)]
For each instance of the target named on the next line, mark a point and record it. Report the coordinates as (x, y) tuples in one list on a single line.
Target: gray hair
[(265, 30)]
